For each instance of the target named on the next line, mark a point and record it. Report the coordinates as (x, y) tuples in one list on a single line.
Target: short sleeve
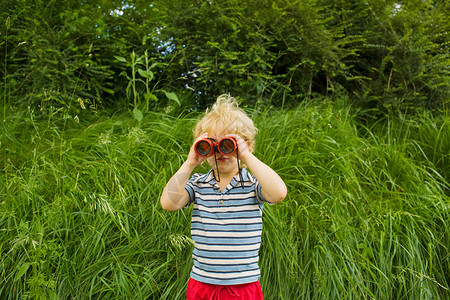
[(190, 189), (259, 195)]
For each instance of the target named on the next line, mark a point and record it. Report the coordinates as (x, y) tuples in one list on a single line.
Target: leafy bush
[(49, 57), (388, 57)]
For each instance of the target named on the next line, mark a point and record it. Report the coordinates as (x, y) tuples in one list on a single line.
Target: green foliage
[(403, 62), (387, 56), (48, 54), (142, 78), (366, 215), (56, 52), (251, 48)]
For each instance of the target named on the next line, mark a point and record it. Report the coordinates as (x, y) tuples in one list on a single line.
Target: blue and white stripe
[(226, 228)]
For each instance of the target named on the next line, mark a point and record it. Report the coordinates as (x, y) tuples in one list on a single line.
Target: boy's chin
[(227, 169), (223, 166)]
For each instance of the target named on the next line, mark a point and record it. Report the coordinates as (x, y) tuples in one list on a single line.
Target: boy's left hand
[(242, 145), (273, 189)]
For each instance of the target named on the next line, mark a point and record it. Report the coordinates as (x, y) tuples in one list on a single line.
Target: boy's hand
[(243, 150), (273, 189), (174, 195), (193, 159)]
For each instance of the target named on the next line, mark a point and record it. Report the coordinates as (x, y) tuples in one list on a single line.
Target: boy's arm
[(174, 195), (273, 188)]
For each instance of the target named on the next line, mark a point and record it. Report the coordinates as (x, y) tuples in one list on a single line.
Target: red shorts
[(197, 290)]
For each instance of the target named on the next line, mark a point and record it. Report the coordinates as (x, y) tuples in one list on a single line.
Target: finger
[(202, 136), (238, 139), (235, 136)]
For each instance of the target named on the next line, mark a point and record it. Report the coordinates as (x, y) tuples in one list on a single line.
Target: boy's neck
[(225, 178), (224, 182)]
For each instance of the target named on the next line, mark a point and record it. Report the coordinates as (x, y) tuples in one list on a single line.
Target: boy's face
[(227, 164)]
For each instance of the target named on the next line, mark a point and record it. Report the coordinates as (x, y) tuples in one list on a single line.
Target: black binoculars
[(206, 147)]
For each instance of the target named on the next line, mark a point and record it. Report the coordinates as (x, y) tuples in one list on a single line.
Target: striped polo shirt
[(226, 228)]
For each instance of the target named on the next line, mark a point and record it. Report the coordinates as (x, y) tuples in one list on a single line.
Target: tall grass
[(368, 208), (366, 215)]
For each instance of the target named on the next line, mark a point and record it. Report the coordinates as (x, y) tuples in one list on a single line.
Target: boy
[(226, 220)]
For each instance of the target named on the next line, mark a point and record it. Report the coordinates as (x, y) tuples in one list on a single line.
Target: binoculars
[(208, 146)]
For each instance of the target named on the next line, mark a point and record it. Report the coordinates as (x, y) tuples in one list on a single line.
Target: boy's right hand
[(193, 159), (174, 195)]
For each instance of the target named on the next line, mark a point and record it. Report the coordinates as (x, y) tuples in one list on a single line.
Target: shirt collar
[(209, 177)]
